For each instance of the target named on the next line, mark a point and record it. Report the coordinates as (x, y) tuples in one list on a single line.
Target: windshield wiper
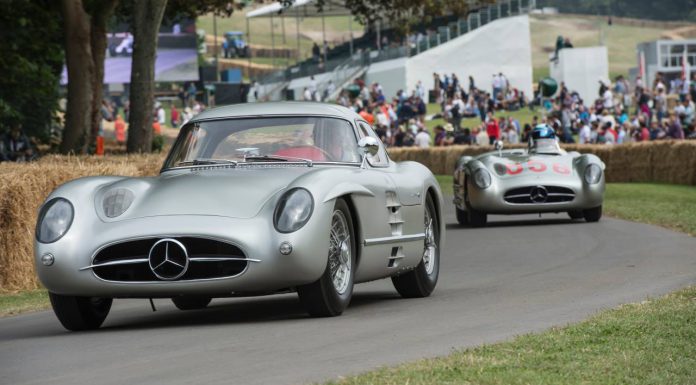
[(277, 158), (204, 161)]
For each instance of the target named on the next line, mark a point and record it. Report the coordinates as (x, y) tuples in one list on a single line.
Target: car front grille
[(207, 259), (525, 195)]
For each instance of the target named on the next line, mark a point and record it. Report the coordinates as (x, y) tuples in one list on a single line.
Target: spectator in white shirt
[(422, 138), (585, 134)]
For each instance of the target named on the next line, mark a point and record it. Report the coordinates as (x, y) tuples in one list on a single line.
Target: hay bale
[(24, 187)]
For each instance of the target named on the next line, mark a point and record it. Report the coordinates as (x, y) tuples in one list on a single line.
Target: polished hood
[(235, 193)]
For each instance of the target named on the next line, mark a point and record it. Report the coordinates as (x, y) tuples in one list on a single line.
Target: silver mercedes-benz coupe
[(541, 179), (252, 199)]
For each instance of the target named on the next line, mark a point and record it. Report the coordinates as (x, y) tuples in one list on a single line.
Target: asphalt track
[(521, 274)]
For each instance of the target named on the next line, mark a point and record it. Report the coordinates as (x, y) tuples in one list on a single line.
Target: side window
[(381, 159)]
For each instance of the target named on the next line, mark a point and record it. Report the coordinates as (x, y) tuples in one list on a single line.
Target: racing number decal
[(561, 169), (535, 166), (518, 169)]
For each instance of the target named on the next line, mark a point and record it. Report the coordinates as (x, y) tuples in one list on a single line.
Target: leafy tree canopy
[(32, 58)]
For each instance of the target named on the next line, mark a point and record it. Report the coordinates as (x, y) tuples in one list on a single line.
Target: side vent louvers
[(396, 222)]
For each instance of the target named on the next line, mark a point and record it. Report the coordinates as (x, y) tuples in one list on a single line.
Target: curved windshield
[(315, 139), (545, 146)]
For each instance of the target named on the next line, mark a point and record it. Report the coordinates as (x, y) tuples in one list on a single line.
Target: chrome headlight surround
[(482, 178), (116, 201), (293, 210), (55, 218), (593, 174)]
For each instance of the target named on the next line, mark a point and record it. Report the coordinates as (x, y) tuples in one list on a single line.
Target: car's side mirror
[(369, 147)]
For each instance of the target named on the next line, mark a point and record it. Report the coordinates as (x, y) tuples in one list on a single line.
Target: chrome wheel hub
[(340, 261), (430, 245)]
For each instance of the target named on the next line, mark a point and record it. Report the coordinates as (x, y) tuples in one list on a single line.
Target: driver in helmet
[(543, 140)]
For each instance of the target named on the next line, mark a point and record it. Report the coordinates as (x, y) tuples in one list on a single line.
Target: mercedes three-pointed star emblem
[(168, 259), (538, 194)]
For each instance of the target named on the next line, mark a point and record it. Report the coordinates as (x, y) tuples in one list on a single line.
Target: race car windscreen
[(546, 146), (318, 139)]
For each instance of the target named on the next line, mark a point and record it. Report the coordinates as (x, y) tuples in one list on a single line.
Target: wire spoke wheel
[(421, 280), (430, 245), (340, 261), (331, 293)]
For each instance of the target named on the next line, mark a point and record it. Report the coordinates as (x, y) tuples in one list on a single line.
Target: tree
[(78, 60), (147, 17), (85, 45), (31, 61), (402, 14)]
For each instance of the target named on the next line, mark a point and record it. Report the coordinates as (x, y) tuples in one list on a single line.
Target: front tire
[(462, 217), (477, 218), (80, 313), (421, 281), (191, 303), (575, 214), (593, 214), (331, 294)]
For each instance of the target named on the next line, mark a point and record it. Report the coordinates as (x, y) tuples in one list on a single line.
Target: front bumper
[(492, 199), (256, 237)]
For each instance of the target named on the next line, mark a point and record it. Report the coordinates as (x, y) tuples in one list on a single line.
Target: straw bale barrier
[(23, 187)]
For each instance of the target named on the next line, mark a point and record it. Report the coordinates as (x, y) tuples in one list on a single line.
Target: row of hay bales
[(23, 187), (664, 162)]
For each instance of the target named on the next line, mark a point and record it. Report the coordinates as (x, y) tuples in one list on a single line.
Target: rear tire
[(330, 295), (462, 217), (421, 281), (477, 218), (576, 214), (191, 302), (593, 214), (80, 313)]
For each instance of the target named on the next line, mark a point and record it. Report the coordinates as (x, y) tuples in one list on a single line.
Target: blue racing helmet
[(543, 131)]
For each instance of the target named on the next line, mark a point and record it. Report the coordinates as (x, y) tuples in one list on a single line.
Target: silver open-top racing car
[(544, 178), (252, 199)]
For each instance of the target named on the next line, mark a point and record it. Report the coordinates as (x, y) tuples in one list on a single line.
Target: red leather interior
[(305, 152)]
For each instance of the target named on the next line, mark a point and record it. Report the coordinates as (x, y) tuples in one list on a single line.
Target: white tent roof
[(304, 8)]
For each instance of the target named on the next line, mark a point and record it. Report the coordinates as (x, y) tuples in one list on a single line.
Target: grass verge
[(645, 343), (22, 302), (670, 206)]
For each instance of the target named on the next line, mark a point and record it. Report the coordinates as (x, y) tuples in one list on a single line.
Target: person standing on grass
[(492, 128)]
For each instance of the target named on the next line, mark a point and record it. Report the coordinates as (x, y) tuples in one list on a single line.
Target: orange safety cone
[(100, 145)]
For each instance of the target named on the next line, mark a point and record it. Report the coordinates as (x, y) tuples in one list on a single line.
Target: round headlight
[(593, 173), (482, 178), (55, 219), (293, 210), (116, 202)]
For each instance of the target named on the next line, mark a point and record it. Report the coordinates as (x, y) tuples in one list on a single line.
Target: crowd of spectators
[(624, 113), (620, 113)]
